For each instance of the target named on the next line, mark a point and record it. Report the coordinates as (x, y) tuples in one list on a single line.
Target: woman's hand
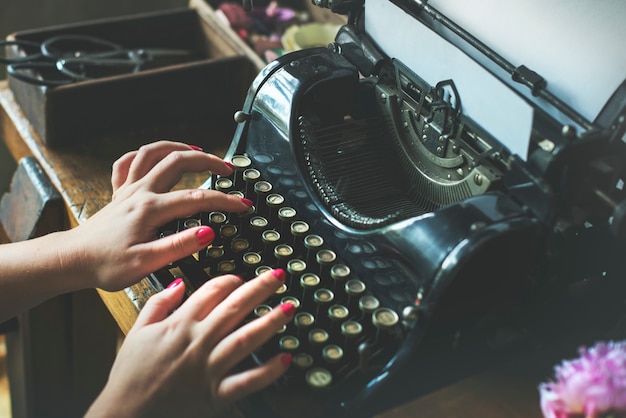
[(180, 365), (119, 245)]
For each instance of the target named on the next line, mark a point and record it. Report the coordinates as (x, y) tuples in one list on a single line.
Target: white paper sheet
[(576, 45)]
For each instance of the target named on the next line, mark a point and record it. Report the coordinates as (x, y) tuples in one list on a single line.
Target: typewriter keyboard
[(339, 327)]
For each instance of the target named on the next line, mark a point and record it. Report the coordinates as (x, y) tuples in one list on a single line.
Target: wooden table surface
[(82, 176)]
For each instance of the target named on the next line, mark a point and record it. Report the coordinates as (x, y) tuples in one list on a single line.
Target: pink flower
[(591, 386)]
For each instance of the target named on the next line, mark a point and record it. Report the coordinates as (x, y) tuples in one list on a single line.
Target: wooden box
[(193, 100)]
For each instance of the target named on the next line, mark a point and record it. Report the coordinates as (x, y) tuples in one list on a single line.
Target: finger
[(150, 155), (238, 304), (240, 385), (208, 296), (182, 203), (120, 169), (167, 172), (160, 305), (246, 339)]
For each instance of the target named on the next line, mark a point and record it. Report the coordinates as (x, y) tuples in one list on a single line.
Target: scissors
[(53, 63)]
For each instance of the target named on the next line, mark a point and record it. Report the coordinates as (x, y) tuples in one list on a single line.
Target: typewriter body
[(412, 230)]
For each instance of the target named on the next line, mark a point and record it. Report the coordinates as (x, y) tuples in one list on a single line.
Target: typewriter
[(423, 194)]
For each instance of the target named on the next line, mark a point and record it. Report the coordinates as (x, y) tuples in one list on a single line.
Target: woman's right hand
[(179, 361)]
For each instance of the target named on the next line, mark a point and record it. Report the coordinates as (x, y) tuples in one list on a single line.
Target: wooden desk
[(83, 179)]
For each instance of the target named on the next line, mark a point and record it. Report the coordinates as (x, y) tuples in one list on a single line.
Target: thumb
[(160, 305)]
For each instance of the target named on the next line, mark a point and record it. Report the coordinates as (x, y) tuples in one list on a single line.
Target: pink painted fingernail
[(288, 309), (205, 235), (174, 283), (195, 148), (230, 165), (286, 359), (279, 274), (249, 203)]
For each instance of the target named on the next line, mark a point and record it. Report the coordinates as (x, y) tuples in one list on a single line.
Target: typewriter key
[(282, 252), (270, 237), (325, 258), (338, 313), (251, 260), (339, 273), (332, 353), (274, 200), (299, 228), (318, 336), (236, 193), (368, 304), (351, 329), (319, 378), (215, 253), (312, 243), (303, 320), (281, 290), (286, 215), (385, 318), (191, 223), (216, 219), (262, 310), (226, 267), (294, 268), (223, 184), (258, 223), (240, 245), (289, 343), (291, 299), (250, 176), (303, 361), (228, 231), (262, 269)]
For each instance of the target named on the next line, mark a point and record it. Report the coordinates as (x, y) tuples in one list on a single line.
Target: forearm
[(35, 270)]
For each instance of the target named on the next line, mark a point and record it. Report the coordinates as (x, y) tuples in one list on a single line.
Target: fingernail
[(195, 148), (249, 203), (286, 359), (279, 274), (174, 283), (205, 235), (230, 165), (288, 309)]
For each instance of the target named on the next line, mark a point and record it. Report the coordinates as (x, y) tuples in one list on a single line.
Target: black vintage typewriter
[(421, 202)]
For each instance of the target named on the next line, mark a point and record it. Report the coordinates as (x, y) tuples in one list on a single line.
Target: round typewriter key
[(262, 187), (339, 272), (318, 336), (228, 231), (299, 228), (323, 296), (240, 245), (384, 318), (338, 312), (313, 241), (215, 253), (368, 304), (240, 162), (270, 236), (296, 266), (217, 218), (318, 378), (262, 310), (351, 329), (303, 360), (332, 353), (258, 223), (281, 290), (262, 269), (191, 223), (282, 330), (251, 174), (291, 299), (252, 259), (226, 267), (325, 257), (289, 343), (236, 193), (355, 287), (274, 200), (283, 251), (286, 214), (223, 184), (303, 320), (309, 280)]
